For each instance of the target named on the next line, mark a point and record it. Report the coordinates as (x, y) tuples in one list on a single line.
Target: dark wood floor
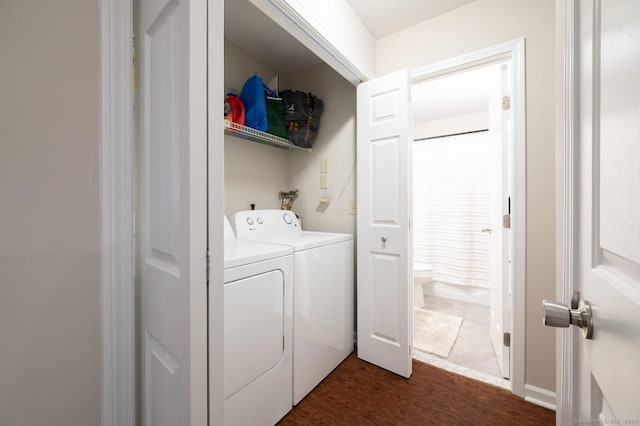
[(358, 393)]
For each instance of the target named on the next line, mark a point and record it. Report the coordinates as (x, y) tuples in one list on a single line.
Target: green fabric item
[(275, 117)]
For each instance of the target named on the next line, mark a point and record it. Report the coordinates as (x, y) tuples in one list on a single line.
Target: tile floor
[(472, 349)]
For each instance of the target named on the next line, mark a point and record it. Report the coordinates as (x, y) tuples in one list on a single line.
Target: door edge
[(565, 146), (117, 210)]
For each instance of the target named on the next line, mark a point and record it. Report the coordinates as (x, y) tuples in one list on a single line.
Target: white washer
[(322, 292), (258, 342)]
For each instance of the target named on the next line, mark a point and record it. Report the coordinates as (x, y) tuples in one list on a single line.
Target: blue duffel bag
[(255, 106)]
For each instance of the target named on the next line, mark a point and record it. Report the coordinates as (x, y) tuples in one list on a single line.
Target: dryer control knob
[(259, 220), (287, 218), (250, 221)]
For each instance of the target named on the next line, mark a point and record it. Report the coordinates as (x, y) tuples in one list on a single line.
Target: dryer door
[(254, 318)]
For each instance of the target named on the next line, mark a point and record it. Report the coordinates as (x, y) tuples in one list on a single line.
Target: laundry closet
[(288, 289)]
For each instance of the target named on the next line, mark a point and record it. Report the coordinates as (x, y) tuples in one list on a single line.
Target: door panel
[(384, 295), (607, 373), (172, 210), (620, 130), (385, 170), (385, 315)]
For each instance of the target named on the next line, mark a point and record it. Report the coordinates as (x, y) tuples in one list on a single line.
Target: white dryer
[(323, 292), (257, 331)]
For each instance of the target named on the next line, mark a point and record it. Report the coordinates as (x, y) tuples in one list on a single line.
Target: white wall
[(252, 172), (50, 345), (336, 143), (475, 26)]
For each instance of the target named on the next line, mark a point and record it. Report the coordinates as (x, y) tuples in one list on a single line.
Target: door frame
[(566, 131), (117, 250), (215, 227), (513, 52)]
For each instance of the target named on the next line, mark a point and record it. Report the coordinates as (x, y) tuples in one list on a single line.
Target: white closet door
[(172, 222), (384, 247)]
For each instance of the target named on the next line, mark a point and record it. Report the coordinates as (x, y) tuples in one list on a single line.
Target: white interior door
[(605, 371), (500, 115), (384, 293), (172, 127)]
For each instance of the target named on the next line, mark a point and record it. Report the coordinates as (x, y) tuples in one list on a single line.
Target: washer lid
[(302, 240), (243, 252)]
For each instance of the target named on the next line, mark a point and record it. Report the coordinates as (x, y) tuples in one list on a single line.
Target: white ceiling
[(456, 95), (251, 30), (246, 26), (384, 17)]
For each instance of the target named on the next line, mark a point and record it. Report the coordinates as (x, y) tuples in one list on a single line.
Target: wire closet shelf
[(244, 132)]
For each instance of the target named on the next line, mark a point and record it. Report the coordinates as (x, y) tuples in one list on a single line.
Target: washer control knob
[(287, 218), (250, 221), (259, 220)]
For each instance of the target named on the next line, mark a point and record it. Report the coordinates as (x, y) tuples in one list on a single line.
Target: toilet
[(422, 273)]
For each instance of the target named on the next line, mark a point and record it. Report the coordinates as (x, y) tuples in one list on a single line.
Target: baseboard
[(542, 397)]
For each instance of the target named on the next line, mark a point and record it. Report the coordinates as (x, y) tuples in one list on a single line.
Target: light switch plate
[(323, 166), (353, 207), (323, 181)]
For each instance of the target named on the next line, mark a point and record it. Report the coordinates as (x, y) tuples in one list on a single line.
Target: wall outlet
[(353, 206), (252, 204), (323, 166)]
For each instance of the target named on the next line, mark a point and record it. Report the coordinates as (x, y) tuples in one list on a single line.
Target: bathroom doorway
[(462, 241)]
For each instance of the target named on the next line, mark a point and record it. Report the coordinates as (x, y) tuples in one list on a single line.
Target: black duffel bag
[(302, 115)]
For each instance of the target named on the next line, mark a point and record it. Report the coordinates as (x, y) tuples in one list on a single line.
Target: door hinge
[(506, 221), (208, 265), (134, 240), (133, 72), (506, 103), (506, 339)]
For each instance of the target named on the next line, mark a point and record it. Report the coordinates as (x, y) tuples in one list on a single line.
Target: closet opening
[(288, 290)]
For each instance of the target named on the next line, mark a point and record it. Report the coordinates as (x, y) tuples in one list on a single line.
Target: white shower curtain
[(451, 206)]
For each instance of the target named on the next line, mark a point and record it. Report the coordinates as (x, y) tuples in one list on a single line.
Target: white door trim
[(514, 51), (567, 116), (215, 175), (117, 247)]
